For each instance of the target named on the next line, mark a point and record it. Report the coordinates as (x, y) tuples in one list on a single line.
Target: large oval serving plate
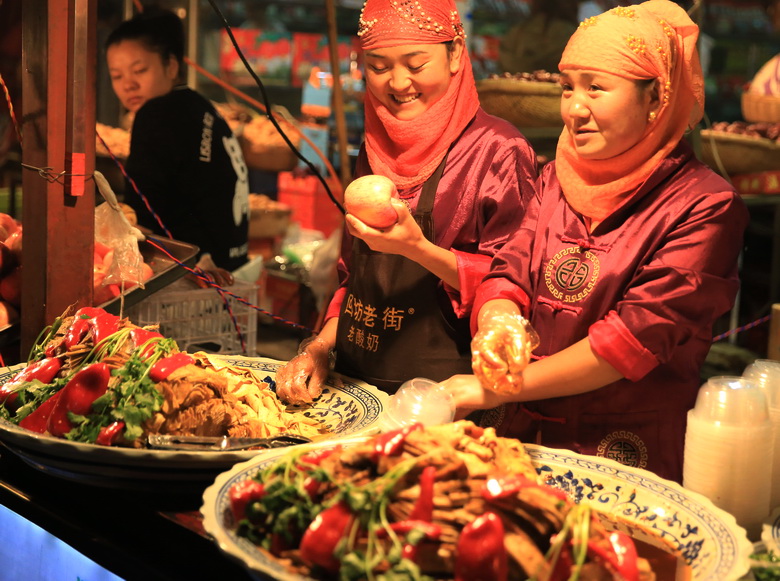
[(346, 407), (638, 502)]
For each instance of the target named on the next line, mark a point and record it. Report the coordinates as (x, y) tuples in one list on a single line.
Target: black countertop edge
[(132, 534)]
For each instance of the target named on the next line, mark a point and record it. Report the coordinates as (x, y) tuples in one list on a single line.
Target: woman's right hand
[(403, 238), (468, 395), (300, 381), (501, 348)]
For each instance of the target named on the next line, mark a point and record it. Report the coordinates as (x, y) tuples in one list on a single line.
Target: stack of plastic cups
[(728, 447), (766, 373)]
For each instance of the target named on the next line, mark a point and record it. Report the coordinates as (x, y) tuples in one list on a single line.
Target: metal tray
[(166, 270)]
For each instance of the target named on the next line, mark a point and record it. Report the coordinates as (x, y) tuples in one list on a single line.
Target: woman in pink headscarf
[(623, 263), (463, 179)]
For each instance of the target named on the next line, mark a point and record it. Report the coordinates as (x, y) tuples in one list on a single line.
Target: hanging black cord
[(267, 104)]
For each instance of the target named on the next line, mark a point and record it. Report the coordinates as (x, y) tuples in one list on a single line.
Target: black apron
[(396, 321)]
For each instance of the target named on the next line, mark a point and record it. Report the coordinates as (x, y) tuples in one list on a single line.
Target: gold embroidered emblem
[(624, 447), (571, 274)]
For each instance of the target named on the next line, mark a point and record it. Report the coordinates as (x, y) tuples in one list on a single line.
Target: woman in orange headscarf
[(622, 265), (463, 179)]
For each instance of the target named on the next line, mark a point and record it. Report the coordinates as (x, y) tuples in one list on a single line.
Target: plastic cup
[(731, 400), (418, 400), (766, 373), (728, 445)]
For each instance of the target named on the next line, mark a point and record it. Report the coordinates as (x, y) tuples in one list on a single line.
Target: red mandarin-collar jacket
[(645, 287)]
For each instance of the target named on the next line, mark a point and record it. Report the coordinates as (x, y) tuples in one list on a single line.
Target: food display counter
[(134, 535)]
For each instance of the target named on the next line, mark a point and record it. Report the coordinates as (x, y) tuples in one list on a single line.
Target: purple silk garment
[(488, 180), (645, 287)]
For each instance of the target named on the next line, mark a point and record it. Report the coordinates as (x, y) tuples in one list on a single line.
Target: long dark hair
[(159, 31)]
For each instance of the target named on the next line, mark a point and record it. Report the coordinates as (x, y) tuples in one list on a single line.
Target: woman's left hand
[(404, 237), (468, 394)]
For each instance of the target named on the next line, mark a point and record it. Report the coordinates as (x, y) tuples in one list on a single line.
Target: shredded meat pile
[(465, 457), (202, 399), (207, 398)]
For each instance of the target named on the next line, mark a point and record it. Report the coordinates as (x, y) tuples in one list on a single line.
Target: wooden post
[(58, 96), (338, 96), (773, 351)]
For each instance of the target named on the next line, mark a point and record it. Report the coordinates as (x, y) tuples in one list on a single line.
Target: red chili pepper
[(311, 486), (562, 569), (141, 336), (429, 530), (76, 332), (44, 371), (505, 486), (242, 494), (323, 535), (391, 443), (423, 508), (38, 420), (103, 325), (109, 435), (77, 396), (316, 457), (621, 559), (167, 365), (481, 555), (89, 312)]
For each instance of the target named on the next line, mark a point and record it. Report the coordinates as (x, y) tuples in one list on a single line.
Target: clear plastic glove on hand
[(501, 350), (300, 381), (467, 394)]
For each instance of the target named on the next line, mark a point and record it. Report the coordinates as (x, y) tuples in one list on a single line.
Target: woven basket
[(522, 103), (738, 153), (760, 108)]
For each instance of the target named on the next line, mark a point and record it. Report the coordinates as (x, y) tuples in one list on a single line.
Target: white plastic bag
[(113, 230)]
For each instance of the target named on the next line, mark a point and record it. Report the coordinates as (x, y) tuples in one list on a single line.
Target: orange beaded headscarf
[(408, 152), (652, 40)]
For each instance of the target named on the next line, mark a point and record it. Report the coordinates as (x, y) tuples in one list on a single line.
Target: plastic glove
[(301, 379), (468, 395), (501, 350)]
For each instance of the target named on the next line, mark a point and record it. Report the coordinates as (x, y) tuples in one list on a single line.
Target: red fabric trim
[(335, 303), (472, 268), (497, 288), (611, 339)]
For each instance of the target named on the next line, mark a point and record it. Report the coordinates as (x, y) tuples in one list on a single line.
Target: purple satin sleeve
[(472, 268), (690, 280), (335, 303)]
